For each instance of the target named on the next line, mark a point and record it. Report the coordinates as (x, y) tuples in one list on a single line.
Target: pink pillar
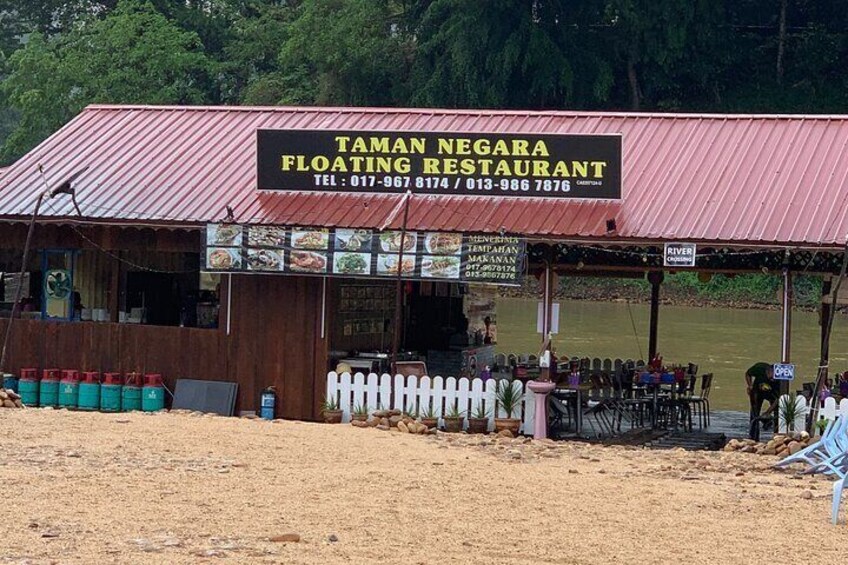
[(541, 389)]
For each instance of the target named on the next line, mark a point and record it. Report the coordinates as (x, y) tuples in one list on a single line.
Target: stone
[(573, 472), (729, 447), (779, 438), (402, 427), (3, 395), (514, 455), (748, 449), (358, 424), (49, 534), (285, 538), (505, 433), (13, 395), (795, 447), (394, 419), (807, 495), (395, 412), (383, 428), (373, 422), (9, 403), (381, 413), (333, 538), (210, 553), (805, 436), (18, 403), (384, 421), (769, 450)]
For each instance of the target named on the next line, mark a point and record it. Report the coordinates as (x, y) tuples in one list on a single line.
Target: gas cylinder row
[(113, 392)]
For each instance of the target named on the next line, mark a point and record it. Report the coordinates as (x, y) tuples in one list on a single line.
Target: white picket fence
[(414, 393), (828, 411)]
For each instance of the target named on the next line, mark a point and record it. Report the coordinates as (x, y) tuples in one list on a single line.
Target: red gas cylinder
[(153, 379), (29, 374), (133, 379), (91, 377), (70, 376), (112, 379), (50, 375)]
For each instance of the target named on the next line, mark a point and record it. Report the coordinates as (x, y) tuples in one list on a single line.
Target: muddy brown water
[(723, 341)]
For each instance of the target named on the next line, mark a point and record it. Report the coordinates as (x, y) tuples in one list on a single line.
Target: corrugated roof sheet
[(734, 179)]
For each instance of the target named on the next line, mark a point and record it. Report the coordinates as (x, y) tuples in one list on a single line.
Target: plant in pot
[(332, 412), (478, 422), (509, 398), (788, 412), (411, 412), (453, 420), (360, 412), (821, 425), (429, 418)]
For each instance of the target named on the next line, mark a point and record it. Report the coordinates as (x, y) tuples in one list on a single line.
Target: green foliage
[(508, 396), (134, 56)]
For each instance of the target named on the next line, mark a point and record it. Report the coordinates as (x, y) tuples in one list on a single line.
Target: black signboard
[(679, 255), (364, 253), (469, 164)]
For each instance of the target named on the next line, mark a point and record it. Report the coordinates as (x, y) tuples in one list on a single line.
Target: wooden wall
[(274, 340)]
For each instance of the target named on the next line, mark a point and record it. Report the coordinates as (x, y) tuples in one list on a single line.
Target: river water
[(722, 341)]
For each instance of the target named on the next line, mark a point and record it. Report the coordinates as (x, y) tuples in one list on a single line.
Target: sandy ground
[(182, 488)]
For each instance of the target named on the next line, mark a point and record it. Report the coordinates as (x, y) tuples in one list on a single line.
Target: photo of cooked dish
[(388, 264), (308, 262), (443, 243), (223, 234), (440, 267), (390, 241), (266, 236), (353, 240), (264, 260), (351, 263), (223, 259), (310, 239)]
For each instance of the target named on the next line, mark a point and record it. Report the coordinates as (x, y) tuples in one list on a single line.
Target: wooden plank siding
[(274, 340)]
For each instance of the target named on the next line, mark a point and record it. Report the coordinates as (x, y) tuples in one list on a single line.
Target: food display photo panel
[(440, 267), (390, 242), (266, 236), (387, 264), (351, 263), (305, 238), (443, 243), (223, 235), (307, 262), (353, 240), (223, 259), (264, 260)]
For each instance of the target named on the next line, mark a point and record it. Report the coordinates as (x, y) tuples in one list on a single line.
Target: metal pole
[(786, 333), (399, 287), (24, 262), (656, 279)]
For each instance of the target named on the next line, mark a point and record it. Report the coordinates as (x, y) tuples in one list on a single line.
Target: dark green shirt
[(762, 383)]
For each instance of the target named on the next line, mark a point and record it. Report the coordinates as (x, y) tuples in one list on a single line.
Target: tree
[(133, 55)]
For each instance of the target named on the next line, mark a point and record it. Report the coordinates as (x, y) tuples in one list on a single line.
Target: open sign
[(784, 372)]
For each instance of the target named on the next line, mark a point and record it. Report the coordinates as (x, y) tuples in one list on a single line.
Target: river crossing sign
[(679, 255)]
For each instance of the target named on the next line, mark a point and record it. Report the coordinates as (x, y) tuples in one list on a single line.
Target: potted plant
[(788, 412), (331, 411), (411, 412), (360, 412), (453, 420), (478, 422), (509, 398), (429, 418), (821, 425)]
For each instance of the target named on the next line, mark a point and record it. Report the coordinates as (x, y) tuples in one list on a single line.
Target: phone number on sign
[(444, 183)]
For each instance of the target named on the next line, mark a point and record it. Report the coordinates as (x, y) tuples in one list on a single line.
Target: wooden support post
[(114, 304), (825, 322), (656, 279), (785, 356)]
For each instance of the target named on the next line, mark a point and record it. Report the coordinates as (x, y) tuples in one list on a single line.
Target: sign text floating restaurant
[(470, 164)]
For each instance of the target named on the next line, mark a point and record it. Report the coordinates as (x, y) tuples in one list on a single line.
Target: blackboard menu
[(347, 252)]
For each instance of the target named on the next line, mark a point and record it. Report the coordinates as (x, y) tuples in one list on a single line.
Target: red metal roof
[(733, 179)]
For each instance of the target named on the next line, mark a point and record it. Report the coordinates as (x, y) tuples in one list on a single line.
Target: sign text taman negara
[(554, 166)]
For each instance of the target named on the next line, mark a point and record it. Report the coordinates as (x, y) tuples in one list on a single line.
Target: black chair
[(701, 402)]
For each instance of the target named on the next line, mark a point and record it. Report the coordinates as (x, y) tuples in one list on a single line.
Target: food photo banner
[(365, 253), (470, 164)]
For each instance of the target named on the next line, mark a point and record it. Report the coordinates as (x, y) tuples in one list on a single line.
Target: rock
[(9, 403), (748, 449), (13, 395), (432, 431), (285, 538), (740, 473), (333, 538), (505, 433), (3, 395), (783, 452), (373, 422), (394, 419), (807, 495), (395, 412), (573, 472), (729, 447), (210, 553), (795, 447), (779, 438), (514, 455), (358, 424), (384, 421), (49, 534), (805, 436), (18, 403), (381, 413), (383, 428), (769, 450), (402, 427)]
